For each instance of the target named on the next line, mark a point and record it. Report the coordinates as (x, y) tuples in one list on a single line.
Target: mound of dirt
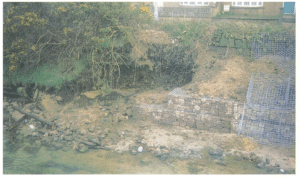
[(229, 78), (158, 95)]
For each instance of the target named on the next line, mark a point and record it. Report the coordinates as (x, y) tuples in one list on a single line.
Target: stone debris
[(99, 127), (140, 149)]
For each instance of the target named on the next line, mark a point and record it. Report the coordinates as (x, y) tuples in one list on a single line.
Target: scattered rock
[(46, 141), (31, 127), (216, 153), (245, 156), (91, 128), (267, 161), (82, 148), (158, 152), (258, 160), (35, 134), (106, 131), (163, 147), (134, 152), (87, 143), (94, 140), (165, 151), (115, 120), (83, 132), (53, 132), (252, 156), (92, 94), (261, 164), (220, 162), (282, 170), (276, 165), (140, 149), (164, 157), (87, 121), (128, 112), (68, 132)]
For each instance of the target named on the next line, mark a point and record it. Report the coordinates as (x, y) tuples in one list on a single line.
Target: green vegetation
[(92, 46), (222, 33), (50, 43), (187, 32)]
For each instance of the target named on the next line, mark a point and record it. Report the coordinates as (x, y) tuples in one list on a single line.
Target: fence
[(269, 114), (189, 12)]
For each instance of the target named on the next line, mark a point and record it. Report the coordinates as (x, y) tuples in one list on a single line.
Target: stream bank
[(90, 125)]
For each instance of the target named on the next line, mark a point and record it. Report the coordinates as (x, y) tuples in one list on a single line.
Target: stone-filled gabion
[(183, 109)]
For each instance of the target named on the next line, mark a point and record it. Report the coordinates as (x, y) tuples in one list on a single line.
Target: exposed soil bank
[(85, 126)]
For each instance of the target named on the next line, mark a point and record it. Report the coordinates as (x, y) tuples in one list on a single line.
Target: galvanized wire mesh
[(273, 46), (271, 92), (273, 127), (269, 114), (180, 92), (277, 47)]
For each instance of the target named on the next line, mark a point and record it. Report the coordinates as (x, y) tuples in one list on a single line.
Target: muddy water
[(29, 159)]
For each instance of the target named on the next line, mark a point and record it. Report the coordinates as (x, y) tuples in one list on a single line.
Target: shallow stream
[(26, 158)]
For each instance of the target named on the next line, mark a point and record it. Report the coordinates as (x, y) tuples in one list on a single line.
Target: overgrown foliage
[(188, 33), (49, 43), (94, 45), (173, 66)]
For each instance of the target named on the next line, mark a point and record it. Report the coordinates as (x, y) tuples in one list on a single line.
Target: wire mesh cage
[(279, 47), (271, 92), (269, 114)]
